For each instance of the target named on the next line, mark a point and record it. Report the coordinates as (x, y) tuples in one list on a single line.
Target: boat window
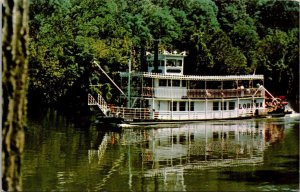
[(162, 82), (182, 106), (174, 106), (192, 106), (176, 83), (179, 63), (183, 82), (224, 106), (231, 105), (170, 62), (174, 63), (215, 106)]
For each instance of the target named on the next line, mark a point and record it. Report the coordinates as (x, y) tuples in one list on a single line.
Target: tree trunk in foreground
[(14, 81)]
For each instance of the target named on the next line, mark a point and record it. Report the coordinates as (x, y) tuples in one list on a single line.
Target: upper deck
[(169, 63), (193, 77), (170, 82), (193, 86)]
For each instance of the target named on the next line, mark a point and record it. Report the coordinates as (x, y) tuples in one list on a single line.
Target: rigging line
[(110, 79)]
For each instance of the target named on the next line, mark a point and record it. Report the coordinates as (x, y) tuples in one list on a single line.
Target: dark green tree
[(272, 54), (220, 37)]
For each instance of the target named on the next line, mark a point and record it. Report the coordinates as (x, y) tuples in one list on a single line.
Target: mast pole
[(129, 80)]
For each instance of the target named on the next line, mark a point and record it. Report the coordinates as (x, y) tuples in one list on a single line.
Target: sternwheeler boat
[(163, 93)]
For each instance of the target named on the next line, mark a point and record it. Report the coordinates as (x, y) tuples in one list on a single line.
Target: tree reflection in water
[(248, 155), (168, 153)]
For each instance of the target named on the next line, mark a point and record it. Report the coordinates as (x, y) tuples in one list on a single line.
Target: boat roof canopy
[(193, 77)]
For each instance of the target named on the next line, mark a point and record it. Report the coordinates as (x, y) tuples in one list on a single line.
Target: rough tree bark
[(14, 84)]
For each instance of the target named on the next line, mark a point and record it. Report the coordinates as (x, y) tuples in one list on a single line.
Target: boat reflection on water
[(168, 153)]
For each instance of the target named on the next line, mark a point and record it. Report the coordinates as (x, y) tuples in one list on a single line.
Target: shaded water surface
[(248, 155)]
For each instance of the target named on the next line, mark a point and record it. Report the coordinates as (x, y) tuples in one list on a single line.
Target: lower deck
[(191, 110)]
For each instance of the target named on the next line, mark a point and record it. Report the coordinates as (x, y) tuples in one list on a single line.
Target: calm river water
[(240, 155)]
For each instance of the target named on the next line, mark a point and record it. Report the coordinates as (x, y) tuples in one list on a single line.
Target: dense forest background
[(220, 37)]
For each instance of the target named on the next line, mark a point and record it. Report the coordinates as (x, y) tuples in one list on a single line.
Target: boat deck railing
[(200, 93), (100, 102), (130, 113), (111, 110), (204, 114)]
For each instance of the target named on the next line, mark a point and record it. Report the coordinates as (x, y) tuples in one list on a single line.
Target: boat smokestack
[(155, 64), (143, 56)]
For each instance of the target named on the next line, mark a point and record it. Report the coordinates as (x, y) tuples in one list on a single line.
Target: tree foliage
[(220, 36)]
